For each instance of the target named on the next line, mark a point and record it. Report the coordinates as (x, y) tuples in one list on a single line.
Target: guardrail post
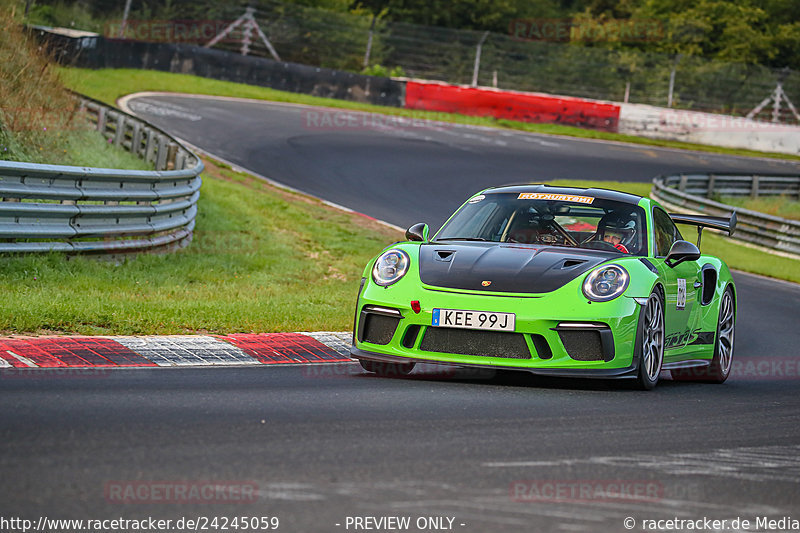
[(754, 188), (101, 119), (161, 162), (711, 183), (150, 146), (136, 139), (172, 152), (119, 134), (682, 184)]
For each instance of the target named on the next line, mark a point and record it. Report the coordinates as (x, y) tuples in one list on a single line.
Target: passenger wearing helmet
[(618, 230)]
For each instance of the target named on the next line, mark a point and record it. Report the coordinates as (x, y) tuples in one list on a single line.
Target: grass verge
[(779, 206), (109, 84), (262, 260), (87, 148)]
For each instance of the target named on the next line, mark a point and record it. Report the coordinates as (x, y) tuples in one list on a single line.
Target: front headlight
[(606, 283), (390, 267)]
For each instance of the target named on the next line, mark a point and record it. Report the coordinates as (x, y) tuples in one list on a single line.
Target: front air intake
[(378, 329), (583, 345), (586, 341), (475, 342)]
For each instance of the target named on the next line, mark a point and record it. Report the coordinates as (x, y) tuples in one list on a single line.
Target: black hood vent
[(495, 267), (572, 263)]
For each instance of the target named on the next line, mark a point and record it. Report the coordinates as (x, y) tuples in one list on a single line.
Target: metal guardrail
[(693, 192), (77, 209)]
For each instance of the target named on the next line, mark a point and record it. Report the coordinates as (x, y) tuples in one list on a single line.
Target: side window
[(665, 231)]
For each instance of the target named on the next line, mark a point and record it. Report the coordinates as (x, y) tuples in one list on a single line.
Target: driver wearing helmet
[(617, 230)]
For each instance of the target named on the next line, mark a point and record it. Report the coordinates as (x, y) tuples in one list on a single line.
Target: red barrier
[(524, 107)]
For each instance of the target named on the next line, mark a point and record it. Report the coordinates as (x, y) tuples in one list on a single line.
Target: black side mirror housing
[(418, 232), (682, 251)]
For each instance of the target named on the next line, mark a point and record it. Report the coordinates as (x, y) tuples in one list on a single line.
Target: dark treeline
[(765, 32), (723, 56)]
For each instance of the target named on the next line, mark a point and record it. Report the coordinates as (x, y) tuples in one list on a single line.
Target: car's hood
[(495, 267)]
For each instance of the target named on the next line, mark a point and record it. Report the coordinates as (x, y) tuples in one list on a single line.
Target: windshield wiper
[(462, 239)]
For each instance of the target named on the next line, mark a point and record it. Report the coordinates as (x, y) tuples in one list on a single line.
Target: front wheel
[(720, 367), (387, 369), (651, 342)]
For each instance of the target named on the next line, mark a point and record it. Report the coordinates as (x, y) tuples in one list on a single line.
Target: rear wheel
[(387, 369), (651, 342), (720, 367)]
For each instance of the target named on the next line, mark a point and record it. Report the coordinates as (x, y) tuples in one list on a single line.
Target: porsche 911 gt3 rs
[(555, 281)]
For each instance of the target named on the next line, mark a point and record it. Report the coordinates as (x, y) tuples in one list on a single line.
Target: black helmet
[(622, 225)]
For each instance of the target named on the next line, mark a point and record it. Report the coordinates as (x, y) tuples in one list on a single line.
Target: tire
[(720, 367), (387, 369), (650, 345)]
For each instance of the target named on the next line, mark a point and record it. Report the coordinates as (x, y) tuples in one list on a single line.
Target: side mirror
[(682, 251), (417, 232)]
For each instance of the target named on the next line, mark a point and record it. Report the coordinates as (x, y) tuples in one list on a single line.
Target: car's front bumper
[(555, 338)]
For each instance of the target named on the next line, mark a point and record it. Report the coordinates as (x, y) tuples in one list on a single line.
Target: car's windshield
[(549, 219)]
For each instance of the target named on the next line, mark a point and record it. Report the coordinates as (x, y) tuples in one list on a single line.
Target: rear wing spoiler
[(701, 221)]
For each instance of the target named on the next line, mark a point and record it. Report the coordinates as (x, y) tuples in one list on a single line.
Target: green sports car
[(555, 281)]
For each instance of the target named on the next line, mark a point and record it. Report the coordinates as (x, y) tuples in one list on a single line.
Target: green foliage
[(765, 32), (739, 31), (384, 72), (39, 122), (479, 15), (725, 50), (65, 14)]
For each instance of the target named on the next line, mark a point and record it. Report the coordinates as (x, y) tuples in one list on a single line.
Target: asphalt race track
[(491, 452), (407, 171)]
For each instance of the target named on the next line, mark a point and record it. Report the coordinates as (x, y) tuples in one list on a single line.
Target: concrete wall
[(226, 66), (708, 128)]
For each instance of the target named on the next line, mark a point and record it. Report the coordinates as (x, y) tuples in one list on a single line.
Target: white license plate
[(458, 318)]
